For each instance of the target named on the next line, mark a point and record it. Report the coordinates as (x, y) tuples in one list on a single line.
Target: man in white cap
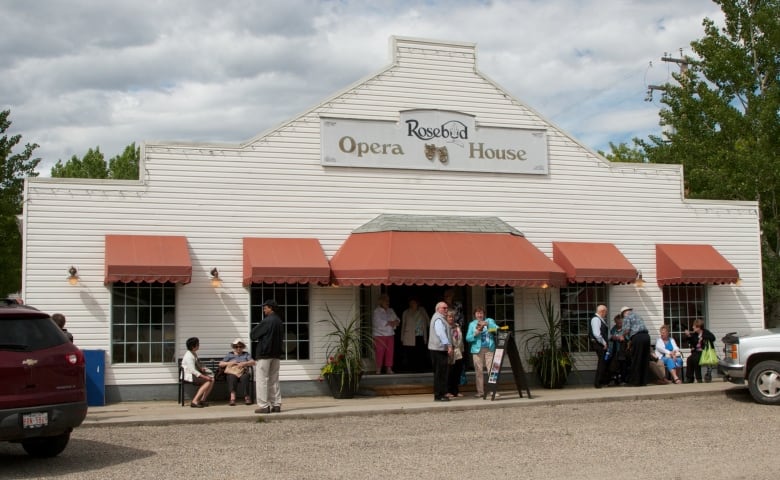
[(237, 364), (635, 332)]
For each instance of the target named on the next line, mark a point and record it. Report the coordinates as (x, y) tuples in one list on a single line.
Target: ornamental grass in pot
[(550, 362), (347, 344)]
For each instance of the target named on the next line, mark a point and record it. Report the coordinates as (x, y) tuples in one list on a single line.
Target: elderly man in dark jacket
[(269, 334)]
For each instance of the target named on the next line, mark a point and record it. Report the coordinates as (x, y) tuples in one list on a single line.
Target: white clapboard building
[(424, 177)]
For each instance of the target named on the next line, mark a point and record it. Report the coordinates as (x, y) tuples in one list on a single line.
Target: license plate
[(35, 420)]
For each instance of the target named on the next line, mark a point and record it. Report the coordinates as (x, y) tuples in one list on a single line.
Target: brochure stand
[(505, 346)]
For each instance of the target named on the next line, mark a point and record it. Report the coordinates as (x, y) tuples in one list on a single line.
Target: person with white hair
[(441, 350)]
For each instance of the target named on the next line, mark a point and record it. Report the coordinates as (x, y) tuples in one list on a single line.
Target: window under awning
[(442, 258), (284, 260), (586, 262), (692, 264), (147, 258)]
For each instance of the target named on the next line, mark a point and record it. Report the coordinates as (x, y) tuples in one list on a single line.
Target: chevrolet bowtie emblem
[(29, 362)]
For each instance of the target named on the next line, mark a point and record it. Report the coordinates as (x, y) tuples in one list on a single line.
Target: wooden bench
[(212, 363)]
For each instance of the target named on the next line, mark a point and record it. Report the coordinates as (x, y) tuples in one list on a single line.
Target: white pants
[(267, 384)]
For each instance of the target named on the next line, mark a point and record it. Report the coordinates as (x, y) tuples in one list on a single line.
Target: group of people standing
[(440, 339), (269, 335), (625, 355)]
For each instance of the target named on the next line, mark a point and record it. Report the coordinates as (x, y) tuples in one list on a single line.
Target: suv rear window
[(29, 334)]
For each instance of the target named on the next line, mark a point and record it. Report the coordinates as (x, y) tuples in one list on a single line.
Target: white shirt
[(595, 327), (380, 322)]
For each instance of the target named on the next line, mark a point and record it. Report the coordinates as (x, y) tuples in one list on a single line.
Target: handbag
[(234, 369), (708, 357)]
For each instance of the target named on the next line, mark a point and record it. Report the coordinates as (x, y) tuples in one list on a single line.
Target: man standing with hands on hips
[(269, 334), (441, 348)]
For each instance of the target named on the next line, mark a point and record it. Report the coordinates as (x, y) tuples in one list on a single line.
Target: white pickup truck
[(754, 358)]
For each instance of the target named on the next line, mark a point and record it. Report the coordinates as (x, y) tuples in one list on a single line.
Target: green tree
[(722, 119), (93, 165), (624, 153), (125, 166), (14, 168)]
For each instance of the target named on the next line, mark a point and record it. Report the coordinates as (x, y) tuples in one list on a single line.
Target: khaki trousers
[(481, 361)]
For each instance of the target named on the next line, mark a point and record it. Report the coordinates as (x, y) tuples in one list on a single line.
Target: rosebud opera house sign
[(433, 140)]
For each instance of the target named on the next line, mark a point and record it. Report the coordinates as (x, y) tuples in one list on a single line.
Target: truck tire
[(764, 382)]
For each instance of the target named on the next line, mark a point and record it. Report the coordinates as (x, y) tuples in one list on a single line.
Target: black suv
[(43, 390)]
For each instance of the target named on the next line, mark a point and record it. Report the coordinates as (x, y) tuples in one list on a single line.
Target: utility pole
[(682, 62)]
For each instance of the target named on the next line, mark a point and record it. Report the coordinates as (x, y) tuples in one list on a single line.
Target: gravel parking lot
[(713, 437)]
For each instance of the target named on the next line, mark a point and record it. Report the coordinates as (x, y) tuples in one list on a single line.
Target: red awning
[(593, 262), (702, 264), (284, 260), (147, 258), (442, 258)]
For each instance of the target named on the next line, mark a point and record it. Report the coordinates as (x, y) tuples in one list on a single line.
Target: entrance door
[(417, 359)]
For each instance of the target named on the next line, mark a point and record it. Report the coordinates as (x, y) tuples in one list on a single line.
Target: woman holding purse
[(698, 340), (237, 364)]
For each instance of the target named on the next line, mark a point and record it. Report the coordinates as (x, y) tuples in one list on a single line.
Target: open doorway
[(406, 360)]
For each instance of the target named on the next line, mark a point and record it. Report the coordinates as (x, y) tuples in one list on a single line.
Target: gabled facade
[(427, 140)]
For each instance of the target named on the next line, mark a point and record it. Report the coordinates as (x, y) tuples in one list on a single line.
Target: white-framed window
[(682, 305), (143, 322), (500, 306), (293, 301), (578, 305)]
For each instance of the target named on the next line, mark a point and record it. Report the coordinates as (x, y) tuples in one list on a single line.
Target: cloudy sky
[(80, 74)]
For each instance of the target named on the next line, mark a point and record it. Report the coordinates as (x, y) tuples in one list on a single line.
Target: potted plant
[(550, 362), (344, 365)]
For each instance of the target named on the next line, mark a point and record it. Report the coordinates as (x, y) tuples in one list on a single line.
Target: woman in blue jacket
[(481, 336)]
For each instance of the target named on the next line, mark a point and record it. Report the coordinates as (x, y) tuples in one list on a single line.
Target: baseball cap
[(270, 303)]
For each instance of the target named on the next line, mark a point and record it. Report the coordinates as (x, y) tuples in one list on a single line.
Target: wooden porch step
[(421, 389)]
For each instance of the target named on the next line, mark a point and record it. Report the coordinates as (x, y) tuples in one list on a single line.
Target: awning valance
[(284, 260), (147, 258), (442, 258), (692, 264), (586, 262)]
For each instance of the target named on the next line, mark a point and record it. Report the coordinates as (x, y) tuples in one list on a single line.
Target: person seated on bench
[(236, 364), (666, 348), (196, 374)]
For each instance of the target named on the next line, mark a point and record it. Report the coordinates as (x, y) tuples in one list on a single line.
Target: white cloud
[(89, 73)]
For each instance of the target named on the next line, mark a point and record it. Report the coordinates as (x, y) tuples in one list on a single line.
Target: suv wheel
[(764, 382), (46, 447)]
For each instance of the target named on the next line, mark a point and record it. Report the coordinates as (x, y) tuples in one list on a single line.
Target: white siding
[(274, 185)]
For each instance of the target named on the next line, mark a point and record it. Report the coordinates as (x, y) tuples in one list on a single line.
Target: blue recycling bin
[(96, 377)]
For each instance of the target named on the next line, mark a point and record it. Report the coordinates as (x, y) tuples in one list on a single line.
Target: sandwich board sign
[(506, 347)]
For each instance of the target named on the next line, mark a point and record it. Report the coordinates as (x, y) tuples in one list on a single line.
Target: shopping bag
[(708, 357)]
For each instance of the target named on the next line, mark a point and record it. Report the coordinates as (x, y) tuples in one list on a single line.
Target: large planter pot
[(342, 388), (545, 376), (547, 382)]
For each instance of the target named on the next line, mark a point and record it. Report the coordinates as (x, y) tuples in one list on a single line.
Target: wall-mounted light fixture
[(73, 275), (215, 280), (738, 282), (639, 282), (544, 285)]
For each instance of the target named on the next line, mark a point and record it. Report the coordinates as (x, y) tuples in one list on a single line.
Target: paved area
[(166, 413)]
